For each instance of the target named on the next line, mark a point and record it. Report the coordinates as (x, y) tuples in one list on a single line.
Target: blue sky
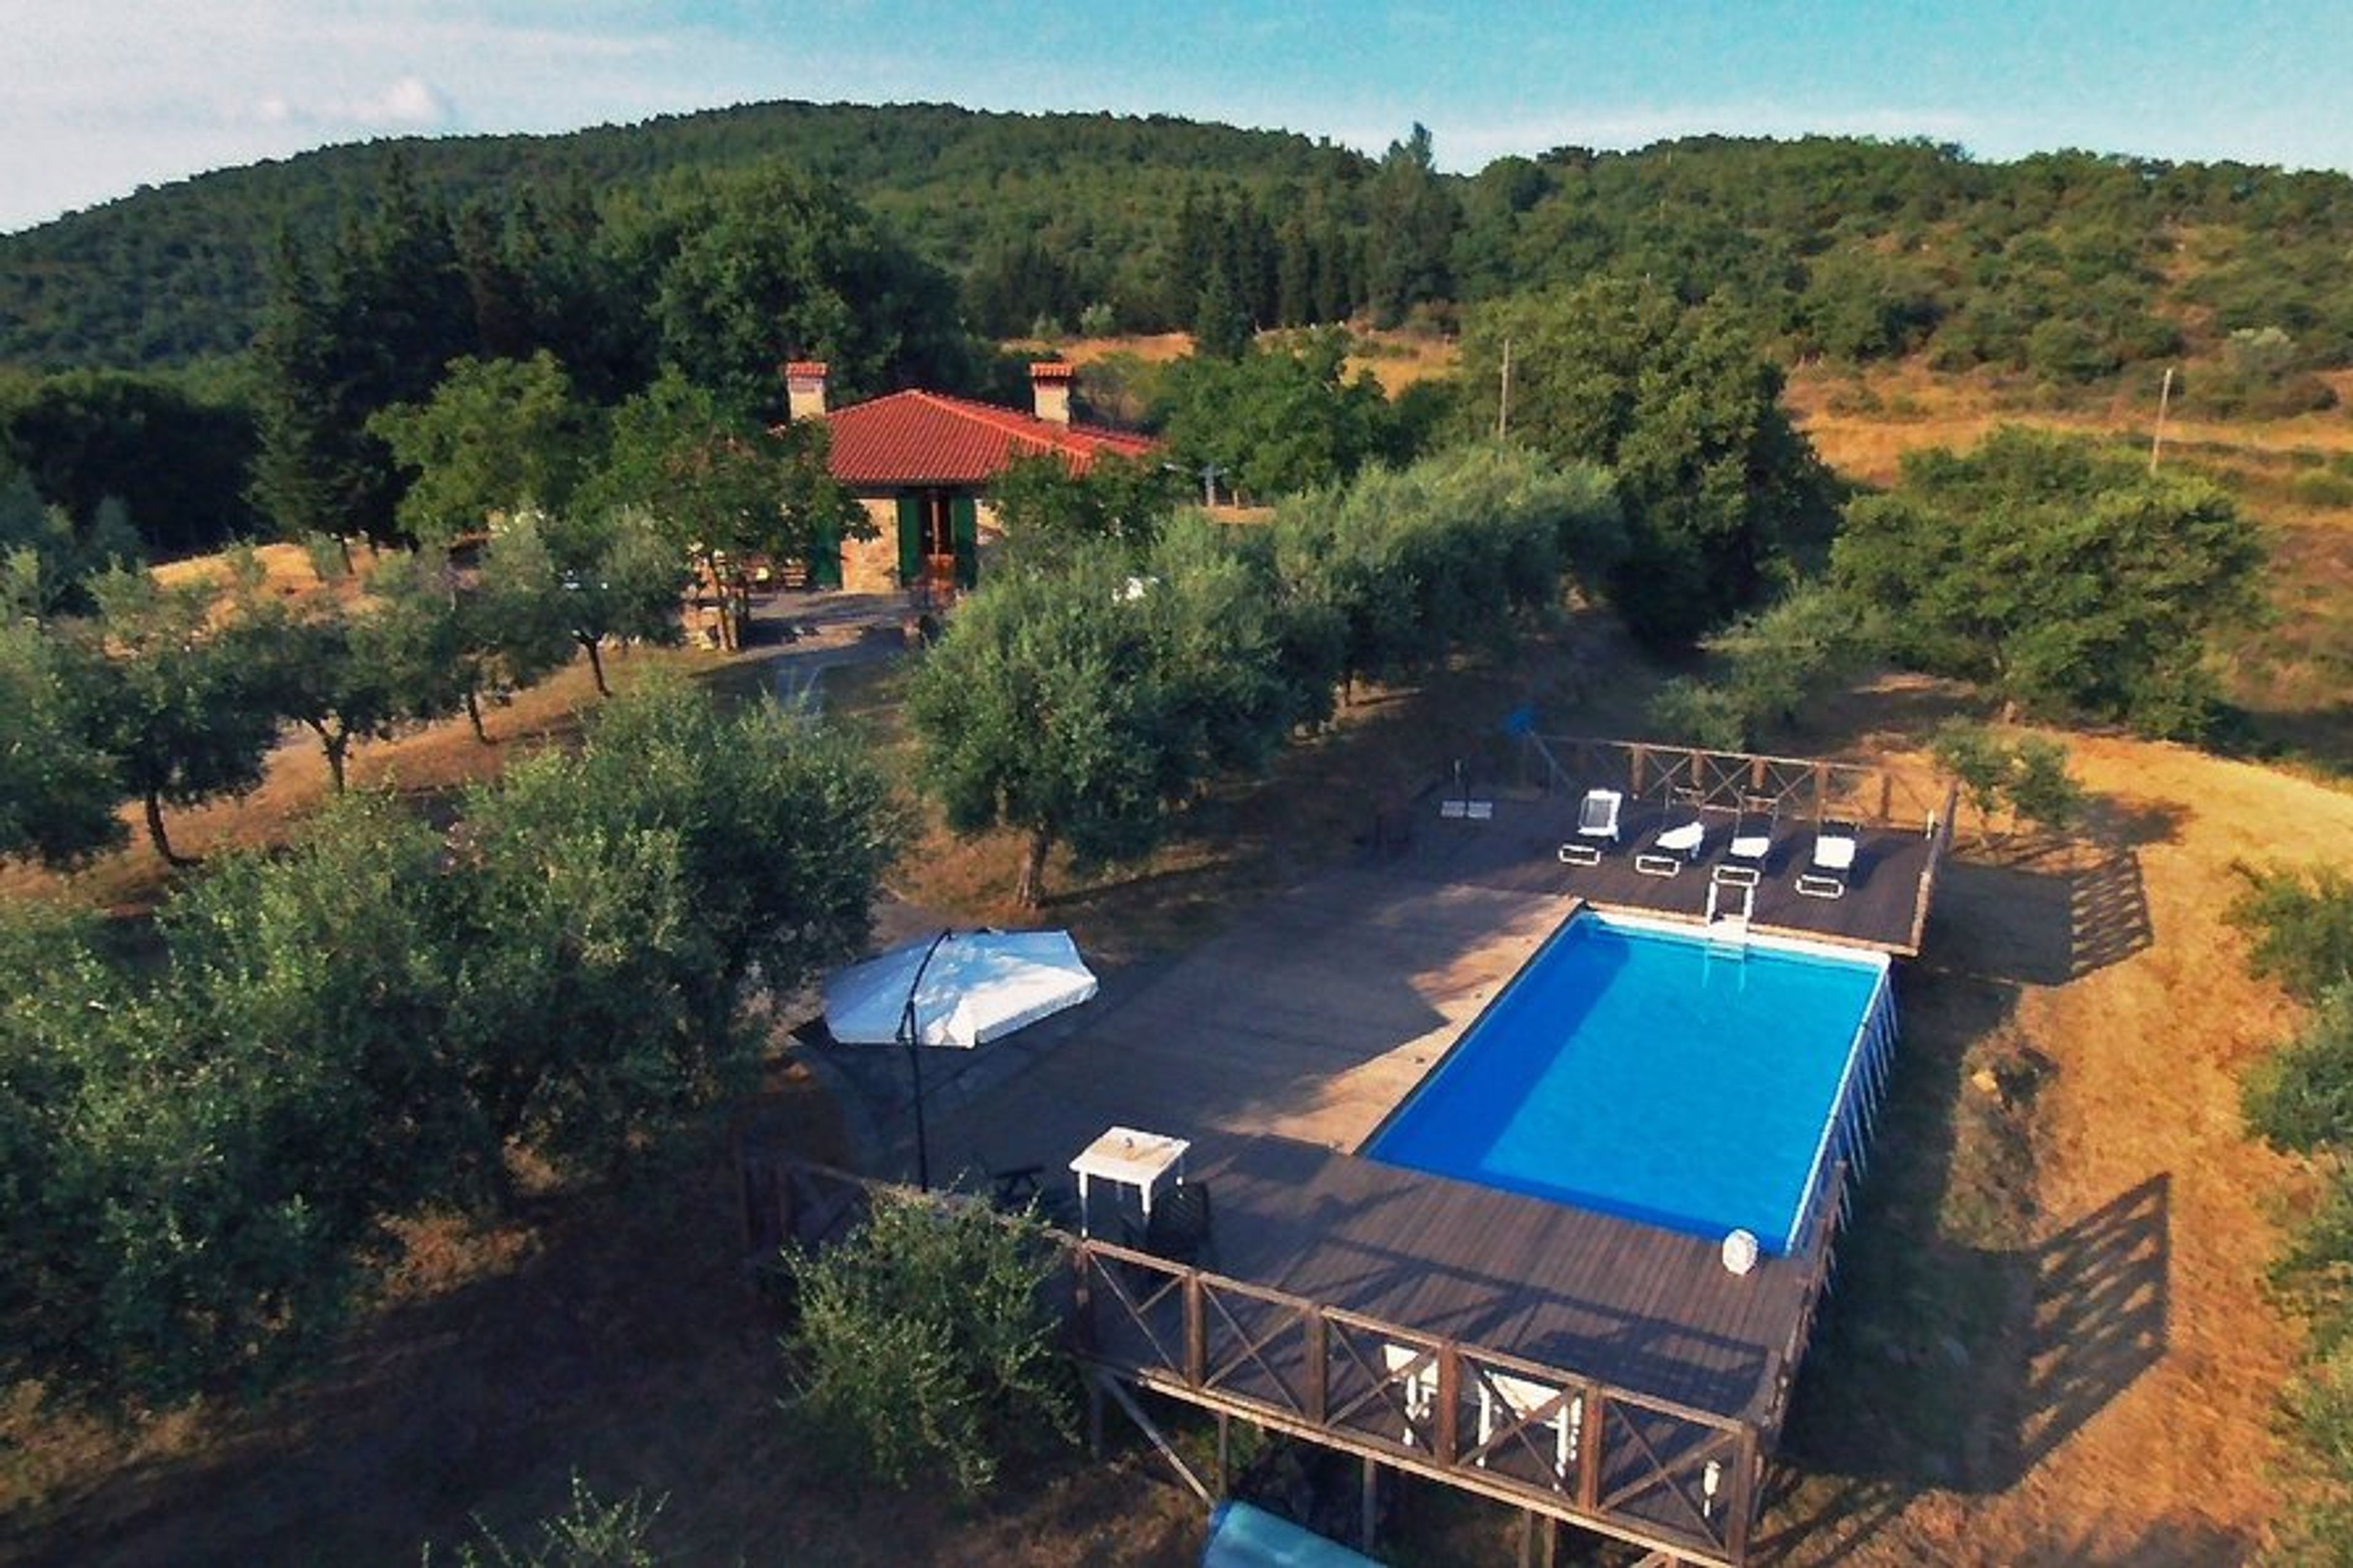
[(99, 96)]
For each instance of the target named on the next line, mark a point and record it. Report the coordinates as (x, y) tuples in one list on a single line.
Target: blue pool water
[(1636, 1071)]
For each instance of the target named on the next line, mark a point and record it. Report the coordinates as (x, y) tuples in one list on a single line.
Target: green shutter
[(963, 516), (825, 558), (910, 540)]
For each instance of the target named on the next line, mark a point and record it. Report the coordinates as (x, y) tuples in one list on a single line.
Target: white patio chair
[(1518, 1397)]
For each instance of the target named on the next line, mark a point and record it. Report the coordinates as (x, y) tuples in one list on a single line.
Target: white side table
[(1131, 1159)]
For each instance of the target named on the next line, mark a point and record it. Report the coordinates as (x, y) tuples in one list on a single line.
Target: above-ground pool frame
[(1854, 1109)]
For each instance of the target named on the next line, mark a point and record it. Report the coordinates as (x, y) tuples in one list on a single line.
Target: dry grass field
[(2048, 1343)]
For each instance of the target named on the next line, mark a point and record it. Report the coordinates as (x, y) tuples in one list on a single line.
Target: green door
[(964, 517), (910, 540), (825, 558)]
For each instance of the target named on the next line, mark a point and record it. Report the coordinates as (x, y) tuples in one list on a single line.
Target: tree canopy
[(1682, 409), (202, 1147), (495, 435), (1272, 422), (2069, 578)]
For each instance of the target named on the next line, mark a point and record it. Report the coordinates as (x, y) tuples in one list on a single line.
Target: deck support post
[(1224, 1423), (1371, 1475)]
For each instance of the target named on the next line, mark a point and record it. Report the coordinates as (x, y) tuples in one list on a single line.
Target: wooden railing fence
[(1665, 1476), (1810, 788)]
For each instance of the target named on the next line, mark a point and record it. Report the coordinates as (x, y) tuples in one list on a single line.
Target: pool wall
[(1854, 1110)]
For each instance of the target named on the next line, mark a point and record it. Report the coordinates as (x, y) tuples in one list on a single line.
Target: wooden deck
[(1280, 1046), (1518, 848), (1643, 1309)]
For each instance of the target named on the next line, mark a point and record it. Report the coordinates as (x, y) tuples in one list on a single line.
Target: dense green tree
[(47, 561), (2067, 578), (1080, 707), (772, 266), (1410, 235), (181, 705), (1275, 421), (2300, 925), (423, 627), (1677, 403), (372, 325), (621, 577), (1769, 663), (496, 435), (331, 669), (58, 790), (1052, 515), (198, 1162), (623, 897), (513, 627), (1401, 569), (724, 488), (173, 457), (1040, 712), (201, 1149)]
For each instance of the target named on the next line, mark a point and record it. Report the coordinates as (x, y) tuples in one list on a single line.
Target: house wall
[(872, 566)]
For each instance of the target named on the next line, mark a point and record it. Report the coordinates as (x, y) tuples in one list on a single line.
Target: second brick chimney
[(1050, 386), (805, 390)]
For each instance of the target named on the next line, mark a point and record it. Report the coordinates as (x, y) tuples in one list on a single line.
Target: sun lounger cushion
[(1683, 838)]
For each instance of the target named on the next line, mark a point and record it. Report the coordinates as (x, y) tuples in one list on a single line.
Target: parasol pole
[(913, 1038)]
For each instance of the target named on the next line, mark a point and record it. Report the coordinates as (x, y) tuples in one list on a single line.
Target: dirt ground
[(2108, 1395)]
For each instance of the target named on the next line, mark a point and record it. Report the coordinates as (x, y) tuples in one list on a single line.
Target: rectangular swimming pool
[(1636, 1069)]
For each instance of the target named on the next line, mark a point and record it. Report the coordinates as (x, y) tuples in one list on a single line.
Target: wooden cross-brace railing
[(1649, 1470), (1808, 788)]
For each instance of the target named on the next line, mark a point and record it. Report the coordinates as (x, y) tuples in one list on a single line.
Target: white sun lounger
[(1596, 824), (1672, 850), (1833, 863), (1745, 856)]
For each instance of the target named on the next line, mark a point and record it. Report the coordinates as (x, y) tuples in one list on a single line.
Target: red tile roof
[(929, 439)]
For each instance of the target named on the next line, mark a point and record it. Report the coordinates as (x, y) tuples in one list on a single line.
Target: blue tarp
[(1241, 1536)]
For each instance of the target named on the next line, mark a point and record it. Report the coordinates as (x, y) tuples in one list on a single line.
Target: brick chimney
[(1049, 384), (805, 389)]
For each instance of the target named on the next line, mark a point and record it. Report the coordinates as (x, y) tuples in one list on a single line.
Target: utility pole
[(2157, 436), (1503, 404)]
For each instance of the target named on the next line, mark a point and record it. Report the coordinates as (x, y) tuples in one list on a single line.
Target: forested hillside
[(172, 274), (2067, 267)]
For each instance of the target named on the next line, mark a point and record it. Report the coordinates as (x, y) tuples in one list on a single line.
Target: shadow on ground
[(1971, 1334)]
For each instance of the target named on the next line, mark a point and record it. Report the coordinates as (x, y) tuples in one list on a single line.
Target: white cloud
[(408, 104)]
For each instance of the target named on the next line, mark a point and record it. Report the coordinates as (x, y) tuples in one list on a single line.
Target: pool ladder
[(1727, 929)]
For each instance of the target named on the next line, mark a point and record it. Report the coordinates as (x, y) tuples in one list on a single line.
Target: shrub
[(2323, 487), (589, 1532), (2300, 1096), (925, 1345), (2302, 929), (1702, 714)]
